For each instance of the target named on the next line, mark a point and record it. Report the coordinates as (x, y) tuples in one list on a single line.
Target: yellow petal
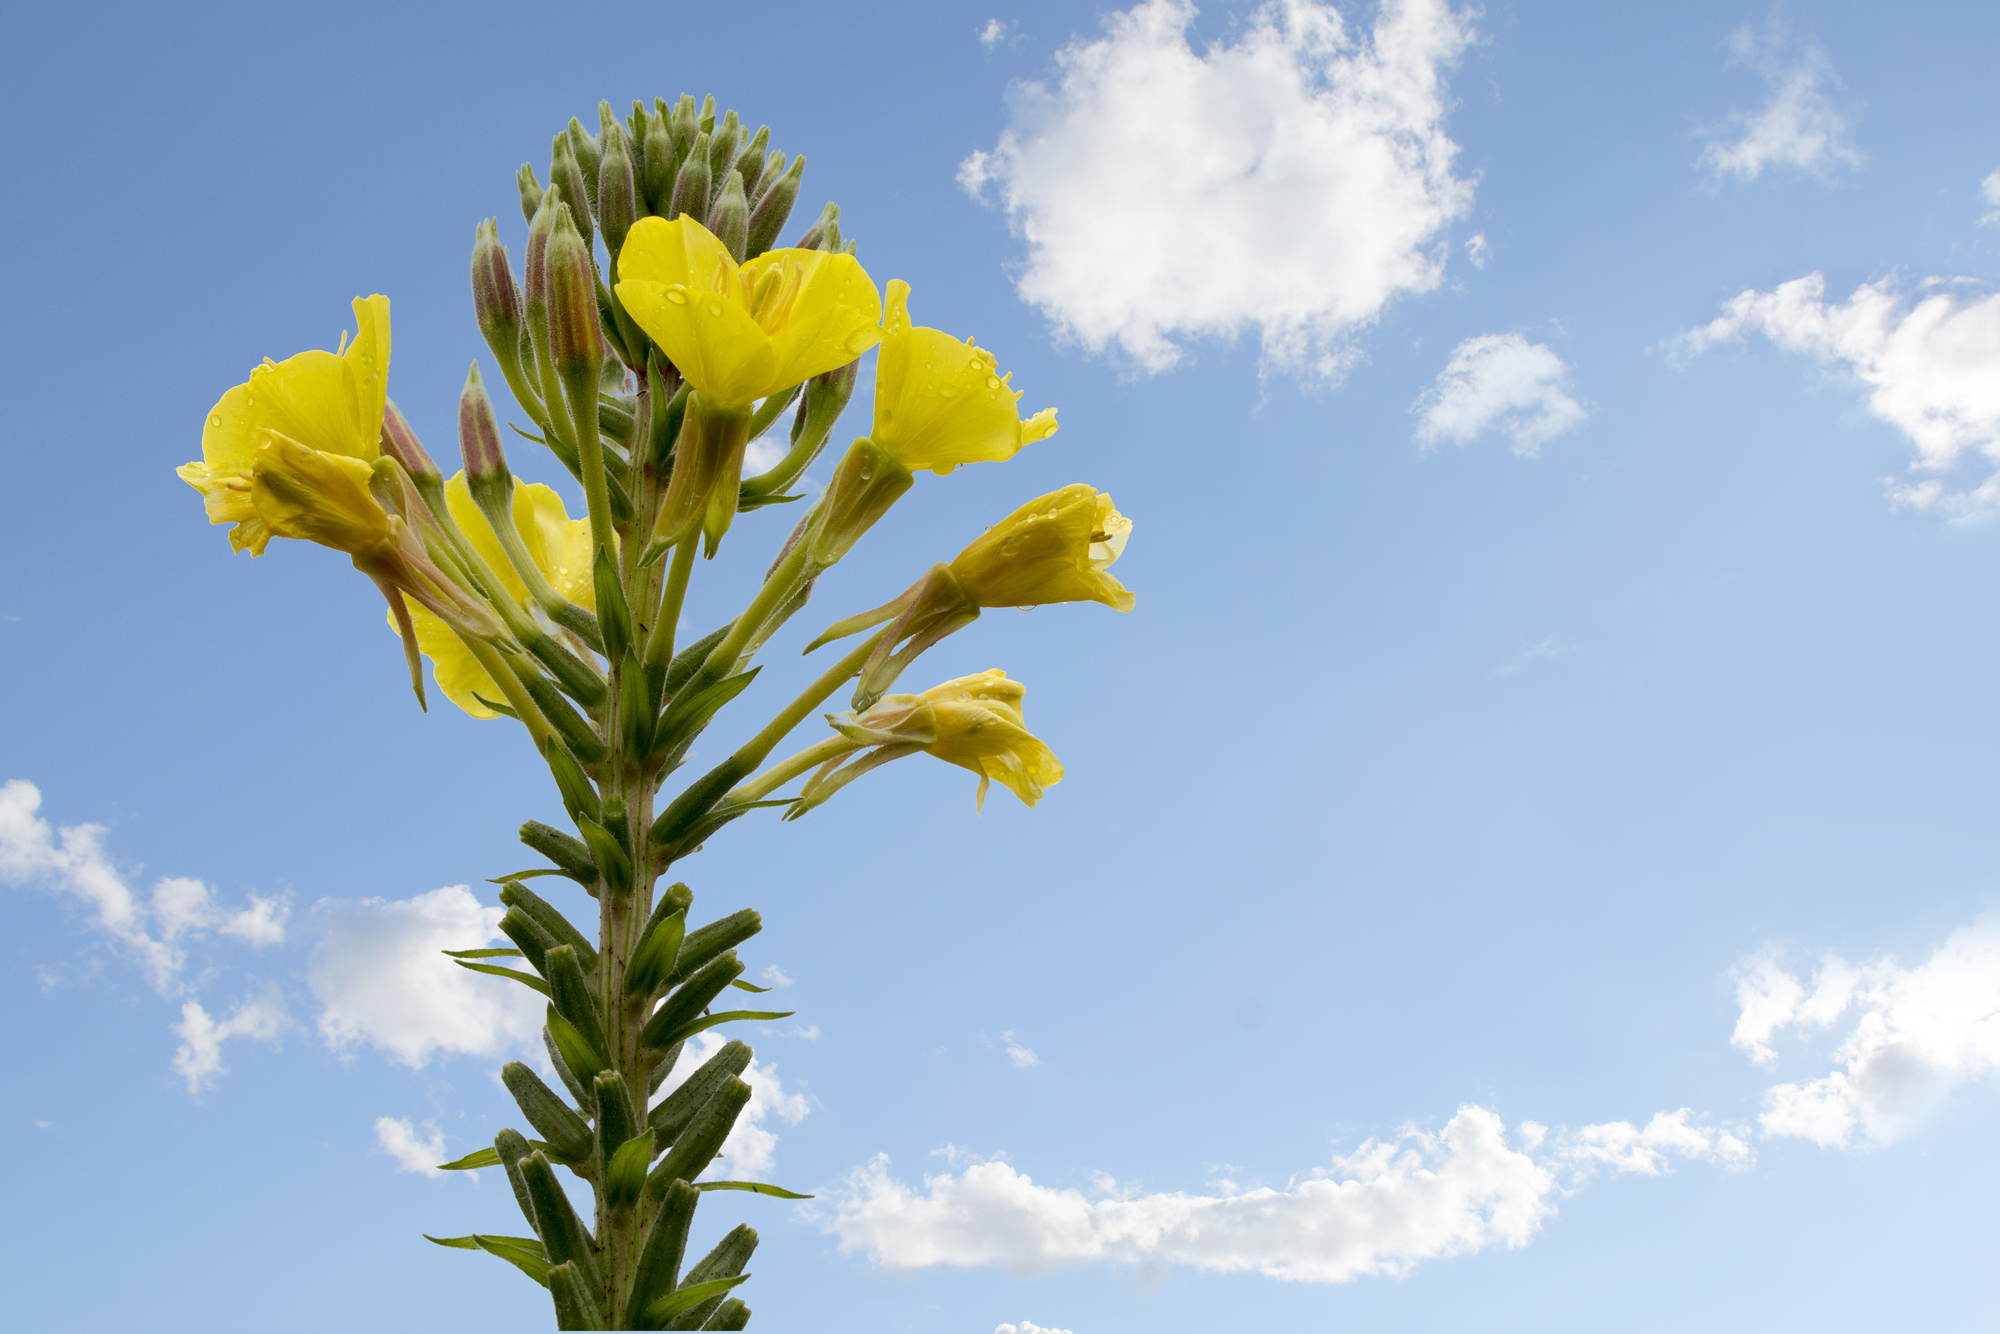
[(316, 497), (559, 545), (832, 320), (1055, 548), (940, 402)]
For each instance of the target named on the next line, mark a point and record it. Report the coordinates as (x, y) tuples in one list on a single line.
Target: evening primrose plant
[(646, 369)]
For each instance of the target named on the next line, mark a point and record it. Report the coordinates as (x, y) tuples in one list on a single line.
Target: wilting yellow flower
[(940, 402), (1055, 549), (740, 332), (974, 722), (329, 402), (316, 497), (559, 545)]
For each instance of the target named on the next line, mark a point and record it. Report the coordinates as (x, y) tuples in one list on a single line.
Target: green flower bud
[(609, 856), (691, 186), (511, 1146), (576, 341), (496, 300), (658, 173), (706, 123), (730, 218), (575, 1298), (614, 618), (751, 160), (563, 1233), (479, 432), (531, 191), (579, 797), (678, 1108), (732, 1314), (561, 1063), (567, 853), (624, 1172), (723, 146), (617, 189), (685, 122), (658, 1270), (774, 209), (400, 443), (583, 1059), (565, 1131), (690, 1000), (698, 1144), (529, 936), (659, 948), (824, 234), (588, 151), (729, 1258), (706, 942), (567, 176), (544, 914), (575, 730)]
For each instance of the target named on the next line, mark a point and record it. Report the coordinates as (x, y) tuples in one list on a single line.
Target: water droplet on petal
[(715, 307), (215, 419), (677, 294), (992, 382), (1010, 546)]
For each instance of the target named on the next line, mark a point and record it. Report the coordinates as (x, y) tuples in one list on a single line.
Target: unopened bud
[(564, 174), (613, 617), (816, 236), (566, 852), (774, 209), (723, 146), (400, 443), (706, 124), (588, 151), (575, 730), (659, 173), (864, 486), (496, 299), (617, 201), (730, 218), (575, 339), (685, 122), (565, 1131), (531, 191), (578, 796), (479, 431), (691, 186), (751, 160)]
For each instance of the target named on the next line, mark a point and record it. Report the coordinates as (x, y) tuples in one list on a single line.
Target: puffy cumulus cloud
[(1798, 126), (1294, 181), (395, 1136), (1019, 1052), (751, 1149), (73, 861), (1503, 382), (381, 977), (1918, 1033), (1931, 369), (199, 1059)]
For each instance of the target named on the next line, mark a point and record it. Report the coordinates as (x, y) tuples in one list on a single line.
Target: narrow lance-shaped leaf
[(582, 1058), (577, 1088), (682, 1300), (708, 1021), (571, 994), (754, 1187), (526, 979)]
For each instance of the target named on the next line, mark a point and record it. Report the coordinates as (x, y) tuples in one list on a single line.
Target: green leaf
[(482, 954), (741, 985), (687, 716), (694, 1294), (707, 1021), (456, 1243), (755, 1187), (526, 979), (485, 1157), (529, 875), (503, 710), (524, 1253), (745, 505)]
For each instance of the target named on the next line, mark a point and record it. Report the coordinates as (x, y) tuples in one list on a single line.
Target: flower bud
[(730, 218), (496, 300), (568, 853), (691, 186), (566, 175), (575, 339), (617, 199), (659, 165), (565, 1131), (824, 234), (400, 443), (659, 1266), (723, 147), (588, 151), (703, 1138), (685, 122), (579, 798), (563, 1235), (531, 191), (479, 431), (706, 123), (864, 486), (774, 206), (570, 993)]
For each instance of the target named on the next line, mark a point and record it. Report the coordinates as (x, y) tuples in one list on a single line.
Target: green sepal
[(656, 954), (606, 852), (707, 942), (482, 954), (741, 985), (576, 1304), (578, 796), (685, 717), (566, 1132), (755, 1187), (565, 851), (524, 1253), (582, 1058), (659, 1266), (563, 1233), (708, 1021), (729, 1258), (690, 1000), (702, 1140), (504, 710), (559, 928), (525, 979), (625, 1174), (680, 1299), (575, 730), (472, 1162), (614, 618), (678, 1108)]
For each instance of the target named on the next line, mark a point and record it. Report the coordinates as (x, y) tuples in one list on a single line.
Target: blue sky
[(1526, 861)]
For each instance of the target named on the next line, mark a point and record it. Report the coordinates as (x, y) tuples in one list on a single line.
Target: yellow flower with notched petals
[(940, 402), (559, 545), (329, 402), (741, 332), (1053, 549), (974, 722)]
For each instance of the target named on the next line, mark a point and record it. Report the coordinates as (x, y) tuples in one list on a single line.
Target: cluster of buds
[(647, 373)]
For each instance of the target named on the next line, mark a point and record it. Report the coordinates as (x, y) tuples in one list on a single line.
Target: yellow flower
[(940, 402), (742, 332), (559, 545), (315, 496), (329, 402), (974, 722), (1055, 549)]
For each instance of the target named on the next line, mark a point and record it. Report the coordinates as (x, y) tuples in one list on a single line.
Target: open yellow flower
[(1057, 548), (741, 332), (940, 402), (974, 722), (328, 402), (560, 547)]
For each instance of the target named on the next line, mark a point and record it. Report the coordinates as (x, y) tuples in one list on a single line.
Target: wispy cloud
[(1018, 1052), (1293, 181), (1931, 368), (199, 1059), (1989, 191), (1545, 650), (1498, 382), (1027, 1327), (994, 33), (1798, 125), (398, 1138)]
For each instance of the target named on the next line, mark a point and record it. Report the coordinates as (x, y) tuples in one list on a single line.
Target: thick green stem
[(754, 751), (786, 770)]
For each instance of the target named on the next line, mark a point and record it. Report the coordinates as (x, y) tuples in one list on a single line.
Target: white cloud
[(74, 862), (1624, 1147), (1932, 369), (1797, 126), (1476, 250), (1027, 1327), (762, 455), (751, 1149), (398, 1138), (1989, 190), (994, 33), (1294, 181), (1547, 649), (775, 976), (1918, 1033), (381, 977), (199, 1059), (1022, 1056), (1498, 381)]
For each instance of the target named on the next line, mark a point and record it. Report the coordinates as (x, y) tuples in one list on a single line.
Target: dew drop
[(677, 294), (249, 399), (867, 474), (1010, 546), (215, 419), (715, 307), (992, 382)]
